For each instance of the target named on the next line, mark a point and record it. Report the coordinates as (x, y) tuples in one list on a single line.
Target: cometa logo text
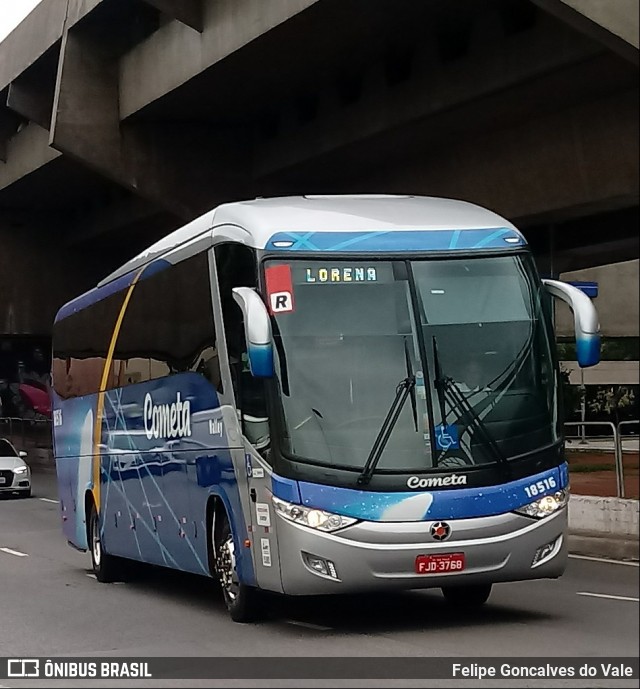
[(415, 482), (167, 420)]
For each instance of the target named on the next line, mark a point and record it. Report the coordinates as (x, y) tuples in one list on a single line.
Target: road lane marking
[(92, 576), (17, 553), (603, 559), (48, 500), (607, 595)]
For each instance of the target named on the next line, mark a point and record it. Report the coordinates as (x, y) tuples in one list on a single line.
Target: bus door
[(255, 429)]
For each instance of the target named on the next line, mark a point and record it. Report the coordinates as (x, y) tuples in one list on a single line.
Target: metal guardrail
[(616, 434), (626, 423)]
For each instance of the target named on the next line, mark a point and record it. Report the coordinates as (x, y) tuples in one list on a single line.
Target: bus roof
[(320, 223), (256, 222)]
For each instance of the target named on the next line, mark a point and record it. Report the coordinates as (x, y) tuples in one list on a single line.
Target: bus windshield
[(355, 330)]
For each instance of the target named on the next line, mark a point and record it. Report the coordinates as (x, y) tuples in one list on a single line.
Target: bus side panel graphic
[(164, 451)]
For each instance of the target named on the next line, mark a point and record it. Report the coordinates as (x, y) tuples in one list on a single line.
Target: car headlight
[(21, 470), (543, 507), (313, 518)]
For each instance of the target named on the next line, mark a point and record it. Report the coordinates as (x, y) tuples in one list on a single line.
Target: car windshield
[(7, 449), (349, 336)]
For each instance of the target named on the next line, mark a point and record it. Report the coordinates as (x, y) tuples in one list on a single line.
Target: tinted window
[(80, 345), (168, 326)]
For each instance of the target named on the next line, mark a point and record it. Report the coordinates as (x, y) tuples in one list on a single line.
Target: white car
[(15, 475)]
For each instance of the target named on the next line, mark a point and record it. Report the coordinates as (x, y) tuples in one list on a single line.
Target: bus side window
[(209, 367)]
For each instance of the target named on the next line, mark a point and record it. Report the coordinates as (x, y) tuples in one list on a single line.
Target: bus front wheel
[(468, 597), (241, 600), (107, 568)]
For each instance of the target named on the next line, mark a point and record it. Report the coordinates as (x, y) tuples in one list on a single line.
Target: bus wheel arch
[(241, 600), (216, 513)]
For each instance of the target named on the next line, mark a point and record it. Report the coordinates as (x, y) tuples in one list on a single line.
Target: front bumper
[(382, 555), (15, 482)]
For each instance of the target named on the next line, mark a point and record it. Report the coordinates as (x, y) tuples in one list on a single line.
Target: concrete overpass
[(121, 120)]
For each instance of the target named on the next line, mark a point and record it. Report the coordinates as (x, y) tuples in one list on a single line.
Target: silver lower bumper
[(383, 555)]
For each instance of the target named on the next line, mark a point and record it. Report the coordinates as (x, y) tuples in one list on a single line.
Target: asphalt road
[(50, 605)]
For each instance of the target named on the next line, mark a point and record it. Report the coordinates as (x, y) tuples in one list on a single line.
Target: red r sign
[(279, 289)]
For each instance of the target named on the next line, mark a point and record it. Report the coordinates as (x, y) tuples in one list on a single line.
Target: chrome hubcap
[(95, 542), (226, 567)]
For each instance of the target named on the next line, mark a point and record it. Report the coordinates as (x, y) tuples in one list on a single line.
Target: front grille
[(7, 474)]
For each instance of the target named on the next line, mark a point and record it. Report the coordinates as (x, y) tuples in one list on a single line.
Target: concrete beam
[(37, 33), (85, 121), (435, 89), (228, 25), (614, 23), (188, 12), (27, 152), (179, 167), (582, 157)]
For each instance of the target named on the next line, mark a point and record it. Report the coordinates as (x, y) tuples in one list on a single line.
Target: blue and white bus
[(320, 395)]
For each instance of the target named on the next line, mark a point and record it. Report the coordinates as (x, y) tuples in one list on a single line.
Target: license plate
[(440, 564)]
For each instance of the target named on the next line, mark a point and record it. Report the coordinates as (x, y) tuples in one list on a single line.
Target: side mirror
[(257, 330), (22, 454), (585, 316)]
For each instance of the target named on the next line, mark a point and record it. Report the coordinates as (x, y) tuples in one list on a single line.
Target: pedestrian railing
[(26, 434), (616, 435)]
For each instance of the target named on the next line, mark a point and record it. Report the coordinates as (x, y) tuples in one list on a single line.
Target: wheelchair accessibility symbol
[(447, 438)]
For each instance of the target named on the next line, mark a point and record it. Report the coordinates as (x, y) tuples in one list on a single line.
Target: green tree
[(612, 400)]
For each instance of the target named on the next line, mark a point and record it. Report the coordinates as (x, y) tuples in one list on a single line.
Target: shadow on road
[(349, 614)]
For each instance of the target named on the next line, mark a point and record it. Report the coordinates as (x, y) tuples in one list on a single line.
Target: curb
[(606, 547)]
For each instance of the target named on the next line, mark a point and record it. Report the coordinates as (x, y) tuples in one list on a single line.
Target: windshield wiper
[(447, 388), (402, 392), (414, 405)]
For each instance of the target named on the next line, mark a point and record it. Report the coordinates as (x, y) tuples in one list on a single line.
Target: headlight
[(21, 470), (316, 519), (543, 507)]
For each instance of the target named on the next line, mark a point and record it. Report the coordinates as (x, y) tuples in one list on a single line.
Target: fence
[(615, 443), (31, 435)]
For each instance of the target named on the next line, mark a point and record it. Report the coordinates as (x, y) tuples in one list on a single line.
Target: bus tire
[(107, 568), (242, 601), (468, 597)]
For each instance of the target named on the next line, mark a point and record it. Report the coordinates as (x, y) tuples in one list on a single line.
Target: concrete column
[(36, 279), (183, 167)]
